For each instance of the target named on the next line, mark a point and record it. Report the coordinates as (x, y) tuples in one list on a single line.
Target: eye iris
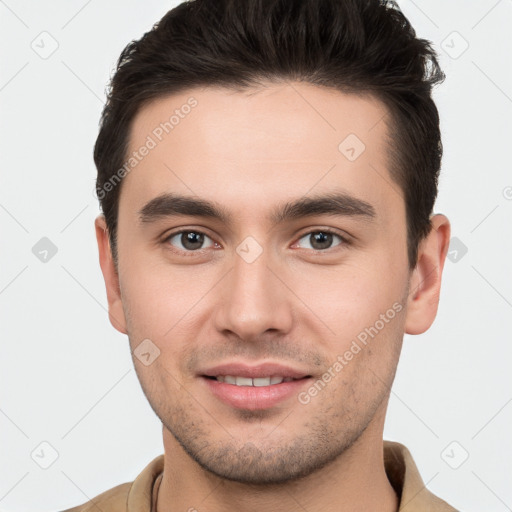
[(323, 239), (192, 240)]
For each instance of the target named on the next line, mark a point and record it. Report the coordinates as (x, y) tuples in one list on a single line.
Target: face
[(291, 261)]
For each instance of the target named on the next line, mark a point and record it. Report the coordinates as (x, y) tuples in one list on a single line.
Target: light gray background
[(67, 377)]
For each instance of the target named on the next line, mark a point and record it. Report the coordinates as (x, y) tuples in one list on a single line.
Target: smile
[(256, 381)]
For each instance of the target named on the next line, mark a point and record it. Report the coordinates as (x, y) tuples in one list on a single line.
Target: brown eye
[(320, 240), (189, 240)]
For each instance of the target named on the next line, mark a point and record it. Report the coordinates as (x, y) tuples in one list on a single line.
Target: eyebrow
[(336, 204)]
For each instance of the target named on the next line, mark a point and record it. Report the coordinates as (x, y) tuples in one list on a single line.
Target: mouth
[(255, 381), (254, 394), (254, 387)]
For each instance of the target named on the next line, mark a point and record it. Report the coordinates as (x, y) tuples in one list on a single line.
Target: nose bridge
[(254, 300)]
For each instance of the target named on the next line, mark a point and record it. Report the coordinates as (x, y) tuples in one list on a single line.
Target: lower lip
[(254, 397)]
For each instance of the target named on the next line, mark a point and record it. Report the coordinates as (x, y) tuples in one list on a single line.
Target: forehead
[(268, 143)]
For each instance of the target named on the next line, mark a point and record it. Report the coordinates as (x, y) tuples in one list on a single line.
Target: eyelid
[(171, 234), (177, 231), (345, 239)]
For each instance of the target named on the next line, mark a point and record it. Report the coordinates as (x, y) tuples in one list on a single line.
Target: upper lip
[(254, 371)]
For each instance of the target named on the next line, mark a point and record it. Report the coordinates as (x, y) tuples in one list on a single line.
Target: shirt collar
[(405, 478)]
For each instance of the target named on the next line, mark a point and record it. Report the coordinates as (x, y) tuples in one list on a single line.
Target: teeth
[(243, 381), (257, 381), (262, 381)]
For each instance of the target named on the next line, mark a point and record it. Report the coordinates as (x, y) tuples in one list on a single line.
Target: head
[(298, 146)]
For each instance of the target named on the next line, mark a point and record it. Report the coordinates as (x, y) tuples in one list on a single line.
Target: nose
[(254, 300)]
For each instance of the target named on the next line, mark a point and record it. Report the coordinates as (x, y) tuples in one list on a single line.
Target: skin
[(250, 151)]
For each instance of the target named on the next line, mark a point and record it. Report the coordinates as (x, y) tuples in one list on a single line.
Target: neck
[(355, 481)]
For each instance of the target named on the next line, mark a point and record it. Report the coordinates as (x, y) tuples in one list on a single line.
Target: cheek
[(160, 299), (349, 298)]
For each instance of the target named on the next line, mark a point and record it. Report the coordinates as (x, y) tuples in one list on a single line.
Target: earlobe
[(110, 276), (425, 283)]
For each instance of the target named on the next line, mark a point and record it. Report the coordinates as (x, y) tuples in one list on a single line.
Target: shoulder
[(133, 496)]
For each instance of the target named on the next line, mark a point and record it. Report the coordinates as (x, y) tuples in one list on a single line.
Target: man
[(267, 171)]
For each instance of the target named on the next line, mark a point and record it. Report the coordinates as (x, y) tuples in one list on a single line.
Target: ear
[(425, 281), (115, 305)]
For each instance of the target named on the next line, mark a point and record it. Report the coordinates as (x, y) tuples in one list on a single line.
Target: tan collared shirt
[(140, 495)]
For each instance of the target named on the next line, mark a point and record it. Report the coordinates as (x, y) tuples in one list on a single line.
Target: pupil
[(192, 240), (321, 240)]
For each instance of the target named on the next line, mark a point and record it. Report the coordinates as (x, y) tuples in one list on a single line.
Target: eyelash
[(344, 241)]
